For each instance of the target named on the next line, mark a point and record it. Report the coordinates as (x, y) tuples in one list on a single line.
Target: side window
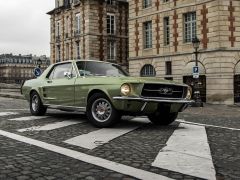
[(81, 67), (51, 74), (58, 71)]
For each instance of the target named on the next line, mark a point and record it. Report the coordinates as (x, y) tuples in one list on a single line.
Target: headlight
[(125, 89), (189, 93)]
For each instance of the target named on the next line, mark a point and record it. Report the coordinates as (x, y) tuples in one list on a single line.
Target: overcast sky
[(25, 26)]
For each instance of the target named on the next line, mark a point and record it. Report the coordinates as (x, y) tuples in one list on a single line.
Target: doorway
[(237, 88), (189, 80)]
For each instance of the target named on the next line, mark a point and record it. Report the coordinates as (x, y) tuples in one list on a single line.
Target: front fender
[(109, 90)]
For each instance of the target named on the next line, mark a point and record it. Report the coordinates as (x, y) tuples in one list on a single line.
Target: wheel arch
[(35, 90), (40, 109), (106, 93), (94, 91), (112, 118), (31, 91), (109, 93)]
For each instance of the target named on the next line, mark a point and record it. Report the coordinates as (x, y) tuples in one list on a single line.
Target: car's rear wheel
[(162, 118), (36, 106), (101, 112)]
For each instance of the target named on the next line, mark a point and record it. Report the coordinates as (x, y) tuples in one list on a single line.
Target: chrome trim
[(143, 99), (180, 85), (74, 108), (101, 110), (46, 98), (158, 90), (143, 107)]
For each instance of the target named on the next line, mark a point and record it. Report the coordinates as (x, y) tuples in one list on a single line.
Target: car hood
[(149, 80)]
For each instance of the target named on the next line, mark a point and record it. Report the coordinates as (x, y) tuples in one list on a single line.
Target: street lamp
[(196, 96), (39, 62)]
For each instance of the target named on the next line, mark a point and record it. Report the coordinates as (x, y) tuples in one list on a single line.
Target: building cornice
[(56, 10), (69, 6), (170, 9), (90, 34), (186, 53)]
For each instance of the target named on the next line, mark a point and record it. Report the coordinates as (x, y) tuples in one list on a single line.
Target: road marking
[(141, 119), (51, 126), (28, 118), (117, 167), (16, 109), (7, 113), (101, 136), (187, 152), (206, 125)]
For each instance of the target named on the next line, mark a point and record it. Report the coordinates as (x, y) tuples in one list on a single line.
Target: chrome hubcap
[(101, 110), (35, 102)]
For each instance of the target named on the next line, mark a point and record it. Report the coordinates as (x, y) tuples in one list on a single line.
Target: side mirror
[(68, 75)]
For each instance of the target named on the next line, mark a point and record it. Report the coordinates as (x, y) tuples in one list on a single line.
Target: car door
[(59, 85)]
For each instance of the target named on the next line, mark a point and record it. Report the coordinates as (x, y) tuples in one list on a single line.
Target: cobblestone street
[(120, 90), (64, 145)]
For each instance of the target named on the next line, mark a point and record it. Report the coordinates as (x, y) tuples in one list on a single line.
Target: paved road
[(202, 144)]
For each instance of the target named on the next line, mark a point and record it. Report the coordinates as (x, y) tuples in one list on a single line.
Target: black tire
[(100, 111), (36, 106), (163, 119)]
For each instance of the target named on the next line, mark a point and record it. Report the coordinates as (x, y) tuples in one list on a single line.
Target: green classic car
[(105, 92)]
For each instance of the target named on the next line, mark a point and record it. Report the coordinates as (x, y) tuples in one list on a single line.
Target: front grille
[(164, 91)]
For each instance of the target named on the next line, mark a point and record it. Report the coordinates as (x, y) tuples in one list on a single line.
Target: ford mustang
[(105, 92)]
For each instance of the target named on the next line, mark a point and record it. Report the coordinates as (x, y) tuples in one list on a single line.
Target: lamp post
[(196, 96), (39, 62)]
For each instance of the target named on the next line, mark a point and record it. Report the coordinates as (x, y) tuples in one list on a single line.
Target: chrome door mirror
[(68, 75)]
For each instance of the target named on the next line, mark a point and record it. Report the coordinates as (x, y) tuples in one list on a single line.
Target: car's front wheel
[(36, 106), (162, 118), (101, 112)]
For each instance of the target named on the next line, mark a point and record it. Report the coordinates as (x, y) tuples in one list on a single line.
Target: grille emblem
[(166, 91)]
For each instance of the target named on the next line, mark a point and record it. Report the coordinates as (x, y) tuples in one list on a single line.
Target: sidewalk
[(10, 91), (11, 95), (215, 110)]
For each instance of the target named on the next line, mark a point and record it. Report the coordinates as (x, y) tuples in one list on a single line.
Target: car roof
[(85, 60)]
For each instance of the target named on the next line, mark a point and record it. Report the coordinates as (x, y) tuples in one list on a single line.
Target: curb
[(11, 96)]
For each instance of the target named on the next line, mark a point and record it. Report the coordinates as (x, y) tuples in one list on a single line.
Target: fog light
[(125, 89)]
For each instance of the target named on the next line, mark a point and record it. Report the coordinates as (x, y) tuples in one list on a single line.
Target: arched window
[(148, 71)]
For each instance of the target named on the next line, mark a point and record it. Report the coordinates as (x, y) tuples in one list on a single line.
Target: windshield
[(92, 68)]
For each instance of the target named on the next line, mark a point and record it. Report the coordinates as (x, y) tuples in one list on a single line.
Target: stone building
[(160, 43), (90, 29), (18, 68)]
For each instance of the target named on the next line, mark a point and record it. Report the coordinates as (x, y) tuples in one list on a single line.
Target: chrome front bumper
[(157, 100)]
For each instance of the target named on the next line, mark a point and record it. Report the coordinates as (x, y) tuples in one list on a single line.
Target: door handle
[(49, 81)]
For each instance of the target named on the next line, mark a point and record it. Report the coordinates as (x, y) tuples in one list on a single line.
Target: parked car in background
[(105, 92)]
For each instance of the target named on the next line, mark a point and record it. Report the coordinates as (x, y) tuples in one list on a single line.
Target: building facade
[(18, 68), (160, 44), (90, 29)]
